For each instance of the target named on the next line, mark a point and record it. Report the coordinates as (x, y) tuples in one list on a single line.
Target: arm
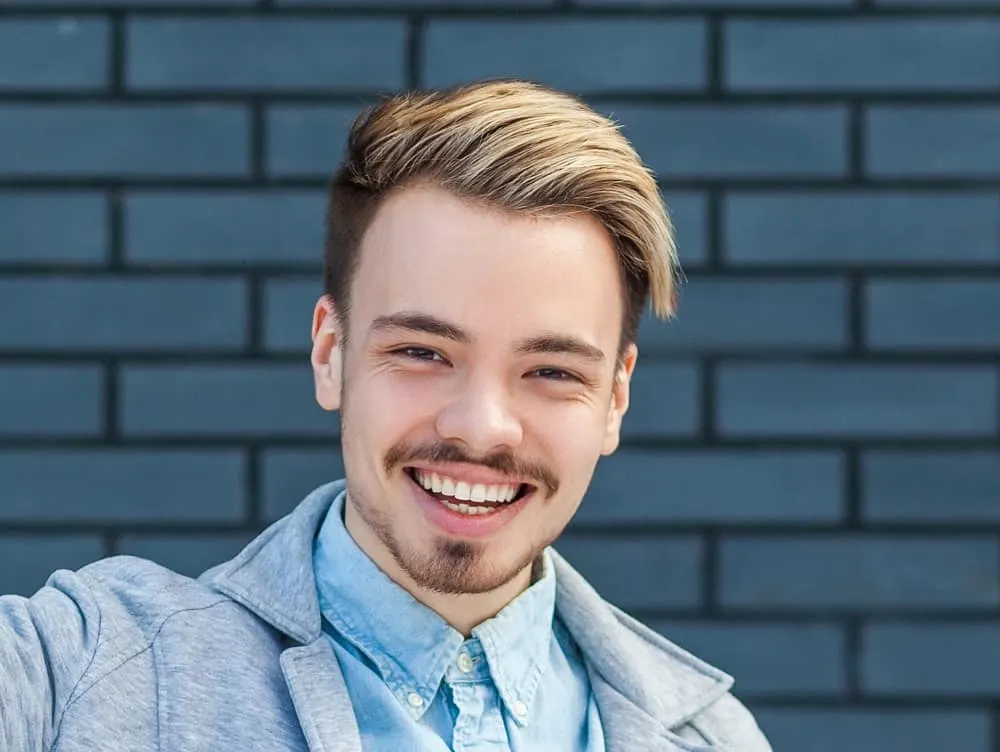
[(46, 644)]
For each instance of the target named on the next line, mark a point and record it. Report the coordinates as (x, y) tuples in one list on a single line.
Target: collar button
[(464, 663), (415, 700)]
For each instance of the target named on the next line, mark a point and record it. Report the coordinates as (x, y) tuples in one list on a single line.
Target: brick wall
[(809, 493)]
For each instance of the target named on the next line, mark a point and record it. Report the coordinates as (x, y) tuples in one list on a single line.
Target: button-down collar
[(412, 647)]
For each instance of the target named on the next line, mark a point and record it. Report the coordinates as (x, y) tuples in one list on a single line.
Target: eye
[(555, 374), (419, 353)]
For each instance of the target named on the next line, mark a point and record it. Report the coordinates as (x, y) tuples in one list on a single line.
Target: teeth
[(442, 484), (466, 509)]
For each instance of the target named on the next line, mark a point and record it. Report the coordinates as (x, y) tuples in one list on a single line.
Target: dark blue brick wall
[(808, 492)]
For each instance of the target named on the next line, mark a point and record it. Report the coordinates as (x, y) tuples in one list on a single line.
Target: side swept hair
[(519, 147)]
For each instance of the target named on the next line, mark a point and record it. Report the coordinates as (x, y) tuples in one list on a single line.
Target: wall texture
[(809, 495)]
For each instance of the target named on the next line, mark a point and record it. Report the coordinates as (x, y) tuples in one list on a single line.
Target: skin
[(478, 403)]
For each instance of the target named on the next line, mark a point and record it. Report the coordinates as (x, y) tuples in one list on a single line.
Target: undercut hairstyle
[(515, 146)]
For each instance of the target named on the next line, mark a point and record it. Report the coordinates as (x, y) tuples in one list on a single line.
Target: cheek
[(572, 433), (391, 407)]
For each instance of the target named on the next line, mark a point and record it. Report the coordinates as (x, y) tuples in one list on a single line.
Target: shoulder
[(128, 601), (140, 591)]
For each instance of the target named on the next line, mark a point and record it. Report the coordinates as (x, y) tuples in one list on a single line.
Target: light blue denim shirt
[(518, 684)]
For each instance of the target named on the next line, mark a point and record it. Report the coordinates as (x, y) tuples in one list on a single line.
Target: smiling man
[(489, 253)]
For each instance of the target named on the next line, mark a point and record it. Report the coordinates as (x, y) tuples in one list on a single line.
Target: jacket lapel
[(628, 728), (320, 697), (273, 577), (646, 687)]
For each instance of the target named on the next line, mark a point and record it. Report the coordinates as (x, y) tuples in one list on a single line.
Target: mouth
[(470, 499)]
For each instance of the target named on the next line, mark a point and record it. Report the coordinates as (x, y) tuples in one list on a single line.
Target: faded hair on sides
[(515, 146)]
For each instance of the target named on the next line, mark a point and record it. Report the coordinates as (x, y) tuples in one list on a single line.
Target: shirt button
[(520, 709), (464, 663), (415, 700)]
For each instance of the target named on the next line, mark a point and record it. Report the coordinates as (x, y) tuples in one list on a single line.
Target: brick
[(870, 55), (867, 400), (124, 140), (379, 4), (223, 400), (53, 401), (123, 313), (941, 3), (921, 141), (600, 54), (632, 4), (116, 486), (62, 228), (26, 561), (939, 488), (877, 729), (128, 4), (288, 309), (751, 314), (287, 476), (938, 314), (49, 53), (737, 141), (639, 573), (813, 656), (666, 400), (265, 53), (307, 140), (189, 554), (861, 228), (946, 659), (639, 487), (859, 573), (689, 215), (231, 227)]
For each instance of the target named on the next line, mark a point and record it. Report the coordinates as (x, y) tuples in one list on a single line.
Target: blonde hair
[(520, 147)]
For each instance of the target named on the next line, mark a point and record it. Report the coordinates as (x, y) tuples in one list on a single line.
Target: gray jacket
[(125, 655)]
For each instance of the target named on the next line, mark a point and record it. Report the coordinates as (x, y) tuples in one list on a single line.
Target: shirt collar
[(412, 647)]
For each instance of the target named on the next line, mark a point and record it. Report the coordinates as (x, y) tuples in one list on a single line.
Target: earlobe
[(326, 357), (619, 400)]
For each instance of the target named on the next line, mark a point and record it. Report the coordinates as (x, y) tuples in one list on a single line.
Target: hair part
[(516, 146)]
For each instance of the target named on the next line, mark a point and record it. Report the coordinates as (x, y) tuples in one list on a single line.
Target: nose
[(481, 417)]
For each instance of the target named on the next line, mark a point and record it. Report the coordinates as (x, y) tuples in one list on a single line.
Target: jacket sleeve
[(47, 642)]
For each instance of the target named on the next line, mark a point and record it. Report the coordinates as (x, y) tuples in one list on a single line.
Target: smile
[(467, 497)]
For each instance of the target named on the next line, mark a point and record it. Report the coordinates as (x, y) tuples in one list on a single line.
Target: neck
[(464, 611)]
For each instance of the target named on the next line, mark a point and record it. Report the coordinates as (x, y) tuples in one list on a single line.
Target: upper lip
[(471, 474)]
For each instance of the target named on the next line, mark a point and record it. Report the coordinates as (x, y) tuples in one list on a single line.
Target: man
[(489, 253)]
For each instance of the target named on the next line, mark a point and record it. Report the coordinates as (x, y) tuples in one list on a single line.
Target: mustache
[(500, 462)]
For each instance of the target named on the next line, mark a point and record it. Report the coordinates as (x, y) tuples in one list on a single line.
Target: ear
[(327, 354), (619, 400)]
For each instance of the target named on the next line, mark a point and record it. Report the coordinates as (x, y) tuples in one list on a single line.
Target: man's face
[(480, 362)]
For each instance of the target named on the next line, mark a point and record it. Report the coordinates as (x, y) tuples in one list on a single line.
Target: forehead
[(495, 273)]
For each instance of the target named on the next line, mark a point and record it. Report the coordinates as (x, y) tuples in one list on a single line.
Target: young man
[(489, 253)]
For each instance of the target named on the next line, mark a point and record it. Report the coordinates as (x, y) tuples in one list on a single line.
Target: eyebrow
[(556, 344)]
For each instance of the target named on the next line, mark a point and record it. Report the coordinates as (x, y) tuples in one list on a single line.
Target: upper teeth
[(463, 491)]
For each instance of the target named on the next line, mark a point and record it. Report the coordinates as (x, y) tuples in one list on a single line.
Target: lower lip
[(465, 525)]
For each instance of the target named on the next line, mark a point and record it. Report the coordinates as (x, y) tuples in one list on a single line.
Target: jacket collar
[(648, 671), (273, 576), (639, 672)]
